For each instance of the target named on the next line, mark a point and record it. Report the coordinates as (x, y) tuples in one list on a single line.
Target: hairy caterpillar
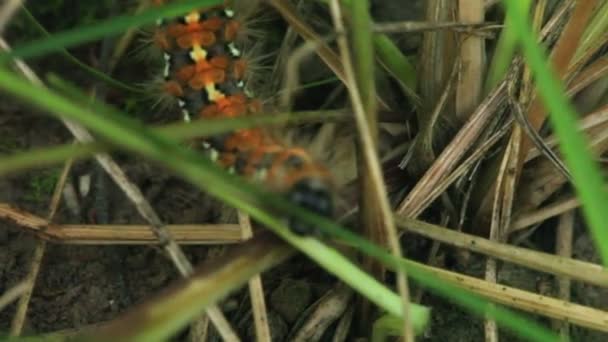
[(206, 72)]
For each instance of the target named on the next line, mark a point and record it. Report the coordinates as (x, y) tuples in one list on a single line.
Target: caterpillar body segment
[(207, 73)]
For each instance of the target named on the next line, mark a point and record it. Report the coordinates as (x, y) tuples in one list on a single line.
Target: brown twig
[(256, 290), (563, 248), (36, 261), (112, 234)]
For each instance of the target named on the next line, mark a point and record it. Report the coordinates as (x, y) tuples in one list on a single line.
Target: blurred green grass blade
[(587, 177), (385, 326), (398, 65), (314, 84), (519, 324), (41, 157), (191, 165), (364, 62), (46, 156), (340, 266), (234, 191), (244, 196), (94, 72), (79, 35), (207, 127), (505, 48), (393, 60)]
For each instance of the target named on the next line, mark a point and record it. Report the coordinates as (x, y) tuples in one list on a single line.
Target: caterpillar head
[(311, 194)]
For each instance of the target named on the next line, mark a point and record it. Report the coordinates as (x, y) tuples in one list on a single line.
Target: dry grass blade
[(436, 77), (437, 54), (12, 294), (465, 165), (559, 207), (538, 186), (121, 179), (327, 310), (501, 214), (343, 327), (486, 179), (591, 123), (290, 14), (421, 26), (545, 181), (144, 208), (571, 268), (367, 138), (40, 249), (532, 134), (256, 290), (7, 12), (112, 234), (423, 151), (563, 248), (580, 315), (561, 58), (445, 163), (470, 82)]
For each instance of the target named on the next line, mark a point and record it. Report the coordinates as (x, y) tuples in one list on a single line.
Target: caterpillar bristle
[(210, 68)]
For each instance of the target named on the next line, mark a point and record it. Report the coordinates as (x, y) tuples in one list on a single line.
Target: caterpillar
[(206, 72)]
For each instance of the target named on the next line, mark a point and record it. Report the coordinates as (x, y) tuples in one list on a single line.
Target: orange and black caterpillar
[(205, 71)]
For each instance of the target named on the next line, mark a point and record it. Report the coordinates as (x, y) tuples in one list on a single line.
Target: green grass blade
[(363, 55), (42, 157), (385, 326), (132, 136), (398, 65), (505, 49), (58, 41), (46, 156), (393, 60), (234, 191), (586, 174), (94, 72)]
